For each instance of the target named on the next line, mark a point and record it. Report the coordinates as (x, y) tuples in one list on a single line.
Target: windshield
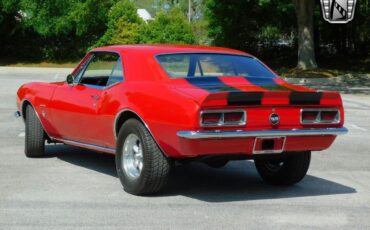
[(212, 65)]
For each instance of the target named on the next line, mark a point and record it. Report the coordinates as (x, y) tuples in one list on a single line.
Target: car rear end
[(265, 123), (244, 108)]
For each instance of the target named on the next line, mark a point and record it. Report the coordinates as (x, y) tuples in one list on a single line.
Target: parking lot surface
[(73, 188)]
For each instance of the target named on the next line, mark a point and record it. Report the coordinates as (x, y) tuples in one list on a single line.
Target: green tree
[(241, 24), (16, 40), (304, 10), (124, 25), (235, 24), (58, 17), (192, 9), (61, 29), (171, 27)]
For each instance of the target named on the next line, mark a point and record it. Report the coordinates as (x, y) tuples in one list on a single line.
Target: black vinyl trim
[(305, 98), (244, 98)]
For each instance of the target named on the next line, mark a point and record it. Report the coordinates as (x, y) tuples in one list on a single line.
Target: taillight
[(211, 118), (320, 116), (310, 116), (329, 115), (230, 117), (215, 118)]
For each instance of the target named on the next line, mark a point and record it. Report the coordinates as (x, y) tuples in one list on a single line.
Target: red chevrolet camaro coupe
[(153, 105)]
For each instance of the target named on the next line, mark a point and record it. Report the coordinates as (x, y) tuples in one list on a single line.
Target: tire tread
[(34, 135)]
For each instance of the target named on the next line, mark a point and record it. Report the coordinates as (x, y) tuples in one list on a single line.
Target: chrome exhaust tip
[(17, 114)]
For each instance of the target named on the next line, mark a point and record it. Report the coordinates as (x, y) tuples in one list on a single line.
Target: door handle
[(95, 96)]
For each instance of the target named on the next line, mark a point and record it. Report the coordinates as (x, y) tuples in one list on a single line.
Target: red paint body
[(166, 106)]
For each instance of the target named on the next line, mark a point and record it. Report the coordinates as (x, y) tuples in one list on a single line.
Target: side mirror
[(69, 79)]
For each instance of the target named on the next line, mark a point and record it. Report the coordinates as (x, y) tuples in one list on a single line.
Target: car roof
[(157, 49)]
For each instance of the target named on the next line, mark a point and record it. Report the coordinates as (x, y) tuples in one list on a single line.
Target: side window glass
[(176, 65), (99, 69), (77, 75), (117, 73)]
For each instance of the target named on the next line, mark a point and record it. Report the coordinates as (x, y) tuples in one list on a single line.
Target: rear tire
[(287, 171), (141, 166), (34, 136)]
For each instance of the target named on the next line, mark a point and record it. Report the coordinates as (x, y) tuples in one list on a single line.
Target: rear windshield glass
[(212, 65)]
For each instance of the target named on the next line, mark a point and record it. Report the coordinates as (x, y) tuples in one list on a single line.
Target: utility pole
[(189, 11)]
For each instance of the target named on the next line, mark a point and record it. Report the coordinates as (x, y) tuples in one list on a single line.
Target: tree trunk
[(306, 49)]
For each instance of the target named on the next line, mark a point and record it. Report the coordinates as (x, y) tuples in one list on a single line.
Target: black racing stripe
[(211, 84), (244, 98), (305, 98), (267, 83)]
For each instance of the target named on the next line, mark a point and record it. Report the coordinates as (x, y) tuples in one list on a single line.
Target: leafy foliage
[(268, 28), (225, 18), (123, 25), (171, 27), (59, 17), (60, 30)]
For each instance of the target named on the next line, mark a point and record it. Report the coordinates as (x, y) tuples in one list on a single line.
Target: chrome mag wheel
[(132, 160), (137, 150)]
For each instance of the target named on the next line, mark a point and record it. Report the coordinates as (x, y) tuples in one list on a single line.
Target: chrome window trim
[(81, 71), (210, 52), (87, 63), (222, 123), (318, 121)]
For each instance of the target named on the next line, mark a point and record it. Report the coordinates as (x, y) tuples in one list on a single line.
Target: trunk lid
[(251, 91)]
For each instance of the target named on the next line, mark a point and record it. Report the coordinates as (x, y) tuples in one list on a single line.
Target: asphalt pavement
[(73, 188)]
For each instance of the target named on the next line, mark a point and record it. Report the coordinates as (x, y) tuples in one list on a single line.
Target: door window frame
[(88, 61)]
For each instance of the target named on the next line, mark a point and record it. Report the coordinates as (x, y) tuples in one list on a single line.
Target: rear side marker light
[(320, 116), (217, 118)]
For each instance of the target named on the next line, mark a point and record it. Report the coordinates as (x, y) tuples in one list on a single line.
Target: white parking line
[(56, 76), (22, 134), (358, 127)]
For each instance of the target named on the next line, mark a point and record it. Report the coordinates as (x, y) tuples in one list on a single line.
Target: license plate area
[(264, 145)]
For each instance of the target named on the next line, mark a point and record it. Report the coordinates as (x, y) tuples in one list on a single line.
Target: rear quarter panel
[(164, 111)]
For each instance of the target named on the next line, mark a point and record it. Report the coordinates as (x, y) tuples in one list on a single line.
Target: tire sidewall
[(130, 184)]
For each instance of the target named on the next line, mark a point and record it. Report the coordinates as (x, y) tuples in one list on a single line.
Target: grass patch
[(43, 64), (14, 62)]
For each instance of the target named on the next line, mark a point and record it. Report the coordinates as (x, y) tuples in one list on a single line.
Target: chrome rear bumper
[(262, 133)]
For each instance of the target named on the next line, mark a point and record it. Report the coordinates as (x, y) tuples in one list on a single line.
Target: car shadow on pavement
[(237, 181), (99, 162)]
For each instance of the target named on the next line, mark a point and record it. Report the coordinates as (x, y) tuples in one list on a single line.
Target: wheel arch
[(24, 104), (127, 114)]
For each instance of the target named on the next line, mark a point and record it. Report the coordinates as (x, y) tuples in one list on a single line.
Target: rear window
[(212, 65)]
